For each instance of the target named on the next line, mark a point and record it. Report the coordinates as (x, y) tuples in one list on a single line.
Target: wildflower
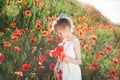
[(16, 49), (18, 32), (25, 4), (108, 49), (7, 44), (41, 67), (18, 73), (51, 67), (1, 57), (27, 13), (19, 1), (53, 53), (101, 53), (38, 26), (86, 47), (96, 57), (49, 39), (115, 62), (59, 39), (14, 24), (61, 57), (44, 33), (41, 60), (80, 33), (112, 72), (32, 40), (25, 67), (95, 65), (94, 38), (14, 38), (47, 51), (59, 49)]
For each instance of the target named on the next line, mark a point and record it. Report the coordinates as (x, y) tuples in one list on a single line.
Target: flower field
[(27, 41)]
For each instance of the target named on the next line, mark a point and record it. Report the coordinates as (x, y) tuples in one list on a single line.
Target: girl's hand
[(56, 75), (66, 59)]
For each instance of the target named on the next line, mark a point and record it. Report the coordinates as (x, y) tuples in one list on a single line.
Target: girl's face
[(63, 32)]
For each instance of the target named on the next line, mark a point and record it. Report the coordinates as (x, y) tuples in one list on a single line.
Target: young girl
[(70, 65)]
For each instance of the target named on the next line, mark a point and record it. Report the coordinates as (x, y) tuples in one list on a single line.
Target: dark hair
[(62, 22)]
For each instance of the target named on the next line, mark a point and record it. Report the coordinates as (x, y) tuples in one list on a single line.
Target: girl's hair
[(62, 22)]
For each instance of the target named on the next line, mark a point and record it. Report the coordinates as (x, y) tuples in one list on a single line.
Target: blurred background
[(109, 8)]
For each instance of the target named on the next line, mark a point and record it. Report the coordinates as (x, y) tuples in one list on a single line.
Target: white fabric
[(70, 71)]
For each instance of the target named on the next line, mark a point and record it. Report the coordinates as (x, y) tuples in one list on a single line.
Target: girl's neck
[(70, 37)]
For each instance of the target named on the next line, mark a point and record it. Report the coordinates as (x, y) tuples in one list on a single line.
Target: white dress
[(70, 71)]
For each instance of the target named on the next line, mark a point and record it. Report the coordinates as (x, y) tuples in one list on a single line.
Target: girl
[(70, 66)]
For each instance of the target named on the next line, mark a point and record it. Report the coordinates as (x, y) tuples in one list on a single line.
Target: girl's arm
[(56, 66), (55, 70), (77, 60)]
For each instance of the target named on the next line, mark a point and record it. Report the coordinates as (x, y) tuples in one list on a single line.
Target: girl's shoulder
[(76, 42)]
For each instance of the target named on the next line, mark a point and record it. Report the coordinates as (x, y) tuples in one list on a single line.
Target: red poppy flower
[(59, 74), (18, 73), (44, 33), (41, 60), (4, 30), (36, 2), (81, 43), (47, 51), (53, 18), (49, 40), (86, 47), (81, 39), (1, 57), (87, 42), (118, 55), (115, 62), (21, 30), (19, 1), (95, 65), (42, 5), (27, 13), (14, 38), (25, 4), (96, 57), (59, 49), (53, 53), (80, 33), (38, 26), (32, 40), (41, 67), (33, 48), (9, 1), (14, 24), (25, 67), (91, 68), (94, 38), (101, 53), (116, 78), (16, 49), (7, 44), (61, 57), (18, 32), (108, 49), (59, 39), (48, 9), (51, 67), (113, 72), (50, 24), (91, 30)]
